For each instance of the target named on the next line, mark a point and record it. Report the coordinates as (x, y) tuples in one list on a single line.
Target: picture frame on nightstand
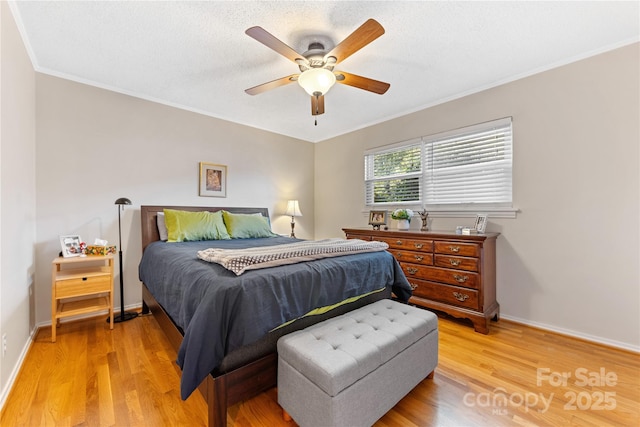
[(70, 245)]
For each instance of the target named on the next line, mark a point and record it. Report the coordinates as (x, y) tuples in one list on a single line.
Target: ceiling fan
[(316, 65)]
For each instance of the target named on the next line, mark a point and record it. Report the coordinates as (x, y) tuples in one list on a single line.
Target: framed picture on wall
[(481, 223), (213, 180), (70, 246)]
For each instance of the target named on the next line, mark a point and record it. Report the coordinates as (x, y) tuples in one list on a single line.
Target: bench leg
[(431, 375)]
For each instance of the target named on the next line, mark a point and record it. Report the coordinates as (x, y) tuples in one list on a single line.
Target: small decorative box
[(100, 250)]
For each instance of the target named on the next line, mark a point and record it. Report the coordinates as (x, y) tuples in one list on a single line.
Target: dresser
[(448, 272)]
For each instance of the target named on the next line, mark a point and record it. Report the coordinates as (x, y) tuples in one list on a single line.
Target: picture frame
[(70, 245), (481, 223), (213, 180), (377, 218)]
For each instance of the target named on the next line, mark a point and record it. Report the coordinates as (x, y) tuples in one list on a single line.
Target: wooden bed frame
[(226, 389), (221, 390)]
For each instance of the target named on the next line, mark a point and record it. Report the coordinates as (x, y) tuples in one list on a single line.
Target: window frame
[(503, 209)]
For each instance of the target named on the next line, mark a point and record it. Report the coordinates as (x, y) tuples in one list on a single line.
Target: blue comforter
[(220, 312)]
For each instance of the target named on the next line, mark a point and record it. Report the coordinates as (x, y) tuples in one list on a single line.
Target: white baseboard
[(16, 369), (574, 334)]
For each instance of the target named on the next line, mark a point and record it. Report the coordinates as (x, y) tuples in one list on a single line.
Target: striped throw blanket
[(241, 260)]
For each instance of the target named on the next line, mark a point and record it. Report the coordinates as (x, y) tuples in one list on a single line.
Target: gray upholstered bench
[(351, 369)]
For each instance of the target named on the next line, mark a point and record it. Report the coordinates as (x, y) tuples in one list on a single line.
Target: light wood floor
[(513, 376)]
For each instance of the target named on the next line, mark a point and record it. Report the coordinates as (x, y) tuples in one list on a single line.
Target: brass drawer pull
[(454, 249), (461, 297), (460, 279), (398, 242), (454, 262), (419, 257), (413, 287), (418, 245), (412, 270)]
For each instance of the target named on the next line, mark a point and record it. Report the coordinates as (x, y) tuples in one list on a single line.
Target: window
[(469, 167)]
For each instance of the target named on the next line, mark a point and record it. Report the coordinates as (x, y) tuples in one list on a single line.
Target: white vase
[(403, 224)]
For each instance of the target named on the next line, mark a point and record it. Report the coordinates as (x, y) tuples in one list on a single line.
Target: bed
[(225, 326)]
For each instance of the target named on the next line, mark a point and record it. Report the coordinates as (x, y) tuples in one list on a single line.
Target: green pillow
[(245, 226), (185, 226)]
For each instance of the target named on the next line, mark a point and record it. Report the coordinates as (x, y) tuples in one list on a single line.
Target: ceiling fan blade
[(365, 34), (360, 82), (270, 41), (317, 105), (272, 84)]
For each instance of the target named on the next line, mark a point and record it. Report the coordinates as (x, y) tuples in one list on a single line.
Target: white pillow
[(162, 227)]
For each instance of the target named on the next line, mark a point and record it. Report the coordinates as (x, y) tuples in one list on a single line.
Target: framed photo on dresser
[(377, 218), (481, 223)]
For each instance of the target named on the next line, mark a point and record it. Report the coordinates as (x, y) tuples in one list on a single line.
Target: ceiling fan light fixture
[(317, 81)]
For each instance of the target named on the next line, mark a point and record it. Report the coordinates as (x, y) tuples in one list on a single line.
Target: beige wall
[(94, 146), (17, 197), (570, 260)]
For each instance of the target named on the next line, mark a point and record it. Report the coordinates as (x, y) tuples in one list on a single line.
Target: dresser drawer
[(445, 275), (358, 236), (82, 286), (448, 294), (462, 263), (457, 248), (408, 244), (413, 257)]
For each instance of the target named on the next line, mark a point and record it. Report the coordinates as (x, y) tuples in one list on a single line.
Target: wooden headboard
[(149, 218)]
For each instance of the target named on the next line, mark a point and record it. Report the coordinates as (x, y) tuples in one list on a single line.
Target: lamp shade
[(293, 208), (317, 81), (123, 201)]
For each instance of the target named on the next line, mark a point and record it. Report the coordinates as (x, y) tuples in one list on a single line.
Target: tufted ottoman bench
[(351, 369)]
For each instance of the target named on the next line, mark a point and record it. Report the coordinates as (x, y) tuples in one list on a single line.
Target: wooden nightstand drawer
[(462, 297), (413, 257), (85, 285), (457, 248), (462, 263), (408, 244), (444, 275)]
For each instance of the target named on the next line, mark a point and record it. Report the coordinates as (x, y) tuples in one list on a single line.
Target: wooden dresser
[(449, 272)]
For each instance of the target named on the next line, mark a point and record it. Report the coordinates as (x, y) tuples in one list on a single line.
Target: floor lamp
[(123, 316)]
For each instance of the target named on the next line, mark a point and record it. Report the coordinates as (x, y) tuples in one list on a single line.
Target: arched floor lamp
[(123, 316)]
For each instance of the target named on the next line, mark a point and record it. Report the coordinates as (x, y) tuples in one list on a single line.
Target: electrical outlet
[(4, 344)]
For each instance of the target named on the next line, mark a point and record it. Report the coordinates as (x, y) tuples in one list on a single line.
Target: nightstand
[(81, 285)]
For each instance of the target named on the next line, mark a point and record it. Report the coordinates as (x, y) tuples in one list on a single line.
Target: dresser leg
[(481, 326)]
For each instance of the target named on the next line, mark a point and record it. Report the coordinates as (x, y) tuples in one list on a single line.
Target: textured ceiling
[(196, 56)]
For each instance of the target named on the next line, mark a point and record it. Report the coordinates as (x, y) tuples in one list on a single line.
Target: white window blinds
[(469, 166)]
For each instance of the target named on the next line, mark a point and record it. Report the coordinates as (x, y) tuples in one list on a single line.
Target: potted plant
[(403, 216)]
